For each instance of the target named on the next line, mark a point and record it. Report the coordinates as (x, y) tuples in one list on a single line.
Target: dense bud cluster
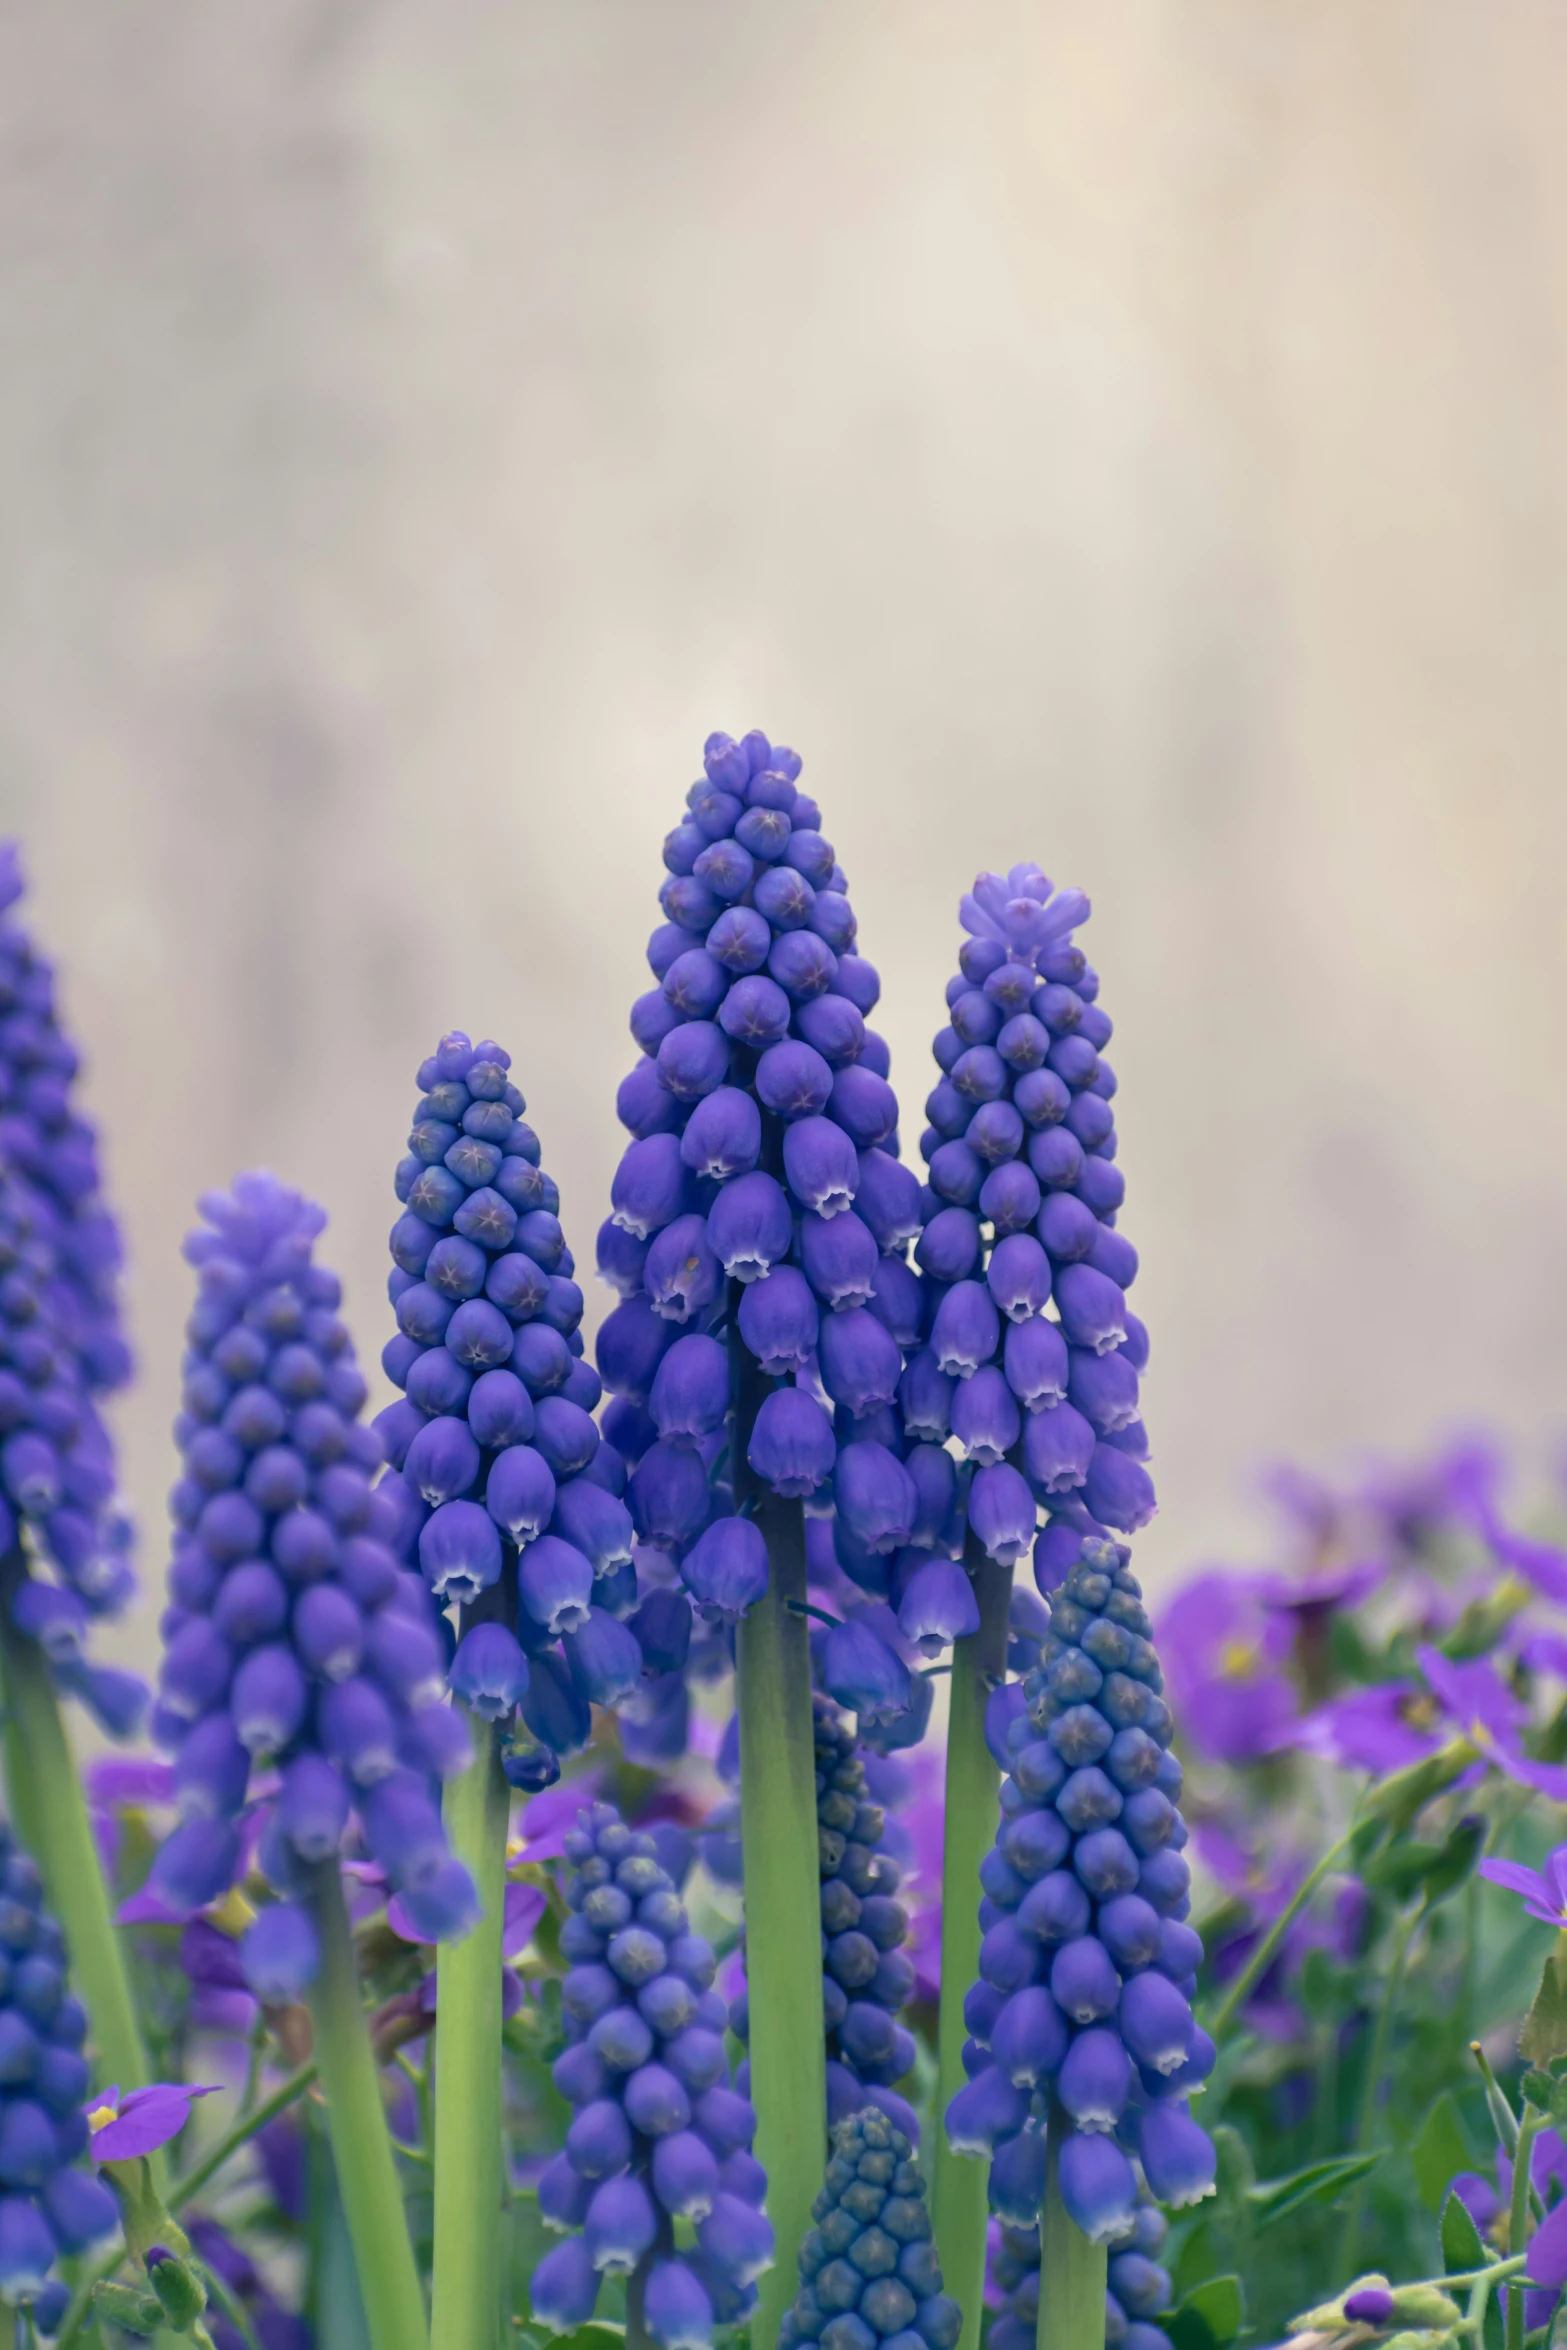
[(292, 1640), (866, 1977), (763, 1173), (1138, 2287), (1033, 1356), (60, 1340), (869, 2271), (53, 1148), (657, 2133), (52, 2207), (495, 1454), (1087, 1964)]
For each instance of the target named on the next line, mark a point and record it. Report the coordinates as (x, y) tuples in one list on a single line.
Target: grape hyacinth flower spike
[(1138, 2288), (512, 1508), (294, 1644), (869, 2269), (866, 1975), (658, 2134), (63, 1541), (52, 2207), (758, 1238), (1017, 1214)]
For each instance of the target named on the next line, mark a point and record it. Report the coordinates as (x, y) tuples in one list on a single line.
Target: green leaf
[(1319, 2182), (1455, 1859), (1545, 2031), (1440, 2151), (597, 2334), (1463, 2247), (1210, 2317)]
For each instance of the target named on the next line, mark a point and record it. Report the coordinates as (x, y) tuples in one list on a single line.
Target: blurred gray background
[(1131, 438)]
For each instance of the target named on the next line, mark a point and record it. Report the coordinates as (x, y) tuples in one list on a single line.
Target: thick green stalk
[(1071, 2270), (51, 1818), (1518, 2218), (356, 2121), (465, 2309), (961, 2207), (782, 1871)]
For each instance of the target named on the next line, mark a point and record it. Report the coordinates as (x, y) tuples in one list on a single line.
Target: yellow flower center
[(1239, 1659), (1420, 1712), (1480, 1737), (100, 2118)]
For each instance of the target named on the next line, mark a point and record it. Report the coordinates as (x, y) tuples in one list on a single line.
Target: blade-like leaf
[(1463, 2247), (1319, 2182), (1545, 2032), (1210, 2317)]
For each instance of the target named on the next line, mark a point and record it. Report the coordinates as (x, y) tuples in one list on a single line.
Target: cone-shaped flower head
[(52, 2205), (1087, 1965), (496, 1462), (763, 1164), (866, 1975), (1138, 2287), (1032, 1356), (48, 1143), (293, 1641), (869, 2269), (657, 2132), (61, 1345)]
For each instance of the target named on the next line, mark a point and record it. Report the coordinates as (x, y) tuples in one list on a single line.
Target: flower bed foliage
[(713, 1841)]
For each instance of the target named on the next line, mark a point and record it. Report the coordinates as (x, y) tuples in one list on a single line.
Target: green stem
[(245, 2129), (1375, 2063), (782, 1870), (1262, 1957), (465, 2312), (959, 2199), (1071, 2270), (1518, 2219), (51, 1819), (356, 2121)]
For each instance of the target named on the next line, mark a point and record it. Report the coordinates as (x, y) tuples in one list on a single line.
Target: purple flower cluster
[(292, 1639), (869, 2269), (658, 2134), (495, 1455), (1138, 2287), (762, 1174), (1031, 1355), (51, 2206), (60, 1340), (56, 1469), (48, 1143), (866, 1978), (1087, 1966)]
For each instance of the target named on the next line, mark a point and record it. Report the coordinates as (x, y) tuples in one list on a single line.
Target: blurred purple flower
[(142, 2120), (1382, 1729), (1482, 1709), (1544, 1891), (1224, 1646)]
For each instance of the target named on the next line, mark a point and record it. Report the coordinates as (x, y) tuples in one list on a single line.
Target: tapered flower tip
[(81, 2212), (1156, 2022), (1098, 2186), (938, 1606), (1017, 2178), (443, 1905), (620, 2226), (195, 1864), (489, 1671), (1096, 2079), (791, 1446), (860, 1672), (459, 1547), (984, 2111), (726, 1567), (736, 2239), (121, 2128), (281, 1954), (676, 2308), (1029, 2037), (564, 2287), (1177, 2155), (27, 2249)]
